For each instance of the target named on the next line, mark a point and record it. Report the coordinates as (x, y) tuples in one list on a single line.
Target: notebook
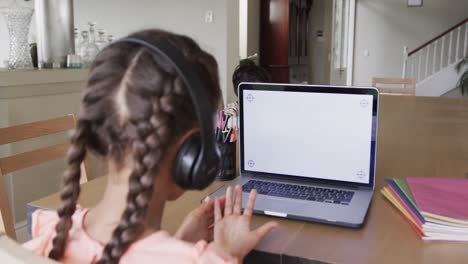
[(444, 199), (439, 223)]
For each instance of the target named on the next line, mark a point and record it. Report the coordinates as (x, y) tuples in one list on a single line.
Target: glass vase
[(18, 19)]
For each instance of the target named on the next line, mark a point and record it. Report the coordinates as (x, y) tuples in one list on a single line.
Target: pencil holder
[(228, 161)]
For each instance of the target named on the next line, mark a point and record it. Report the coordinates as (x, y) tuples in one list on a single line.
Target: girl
[(135, 114)]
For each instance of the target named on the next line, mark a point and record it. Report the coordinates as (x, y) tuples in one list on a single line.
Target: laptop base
[(352, 215)]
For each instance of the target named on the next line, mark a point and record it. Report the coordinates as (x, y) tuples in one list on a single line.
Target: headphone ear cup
[(191, 170), (186, 161)]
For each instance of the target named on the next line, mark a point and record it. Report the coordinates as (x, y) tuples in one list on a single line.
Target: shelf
[(32, 83), (9, 78)]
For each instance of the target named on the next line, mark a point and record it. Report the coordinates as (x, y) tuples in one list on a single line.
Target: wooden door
[(274, 41)]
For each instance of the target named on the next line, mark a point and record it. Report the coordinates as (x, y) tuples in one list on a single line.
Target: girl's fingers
[(207, 206), (228, 203), (217, 211), (250, 203), (238, 201)]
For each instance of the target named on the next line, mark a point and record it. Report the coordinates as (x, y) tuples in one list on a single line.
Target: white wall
[(384, 26), (320, 47), (249, 22), (243, 13), (120, 17), (232, 39)]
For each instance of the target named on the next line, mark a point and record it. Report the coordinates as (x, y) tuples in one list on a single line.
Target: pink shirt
[(158, 247)]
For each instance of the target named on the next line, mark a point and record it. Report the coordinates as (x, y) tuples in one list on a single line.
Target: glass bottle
[(83, 44), (89, 50), (110, 38), (76, 34), (101, 41), (92, 32)]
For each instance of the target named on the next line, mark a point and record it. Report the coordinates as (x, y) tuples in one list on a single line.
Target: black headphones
[(198, 160)]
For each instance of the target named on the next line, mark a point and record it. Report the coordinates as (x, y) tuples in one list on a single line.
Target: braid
[(70, 191), (148, 149)]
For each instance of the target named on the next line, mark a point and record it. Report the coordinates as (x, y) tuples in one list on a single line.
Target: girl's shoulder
[(43, 229), (44, 220), (164, 248)]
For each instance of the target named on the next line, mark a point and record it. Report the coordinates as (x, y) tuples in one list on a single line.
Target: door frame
[(350, 44), (352, 22)]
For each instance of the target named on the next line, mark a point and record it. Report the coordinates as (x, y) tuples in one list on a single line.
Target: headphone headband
[(195, 86)]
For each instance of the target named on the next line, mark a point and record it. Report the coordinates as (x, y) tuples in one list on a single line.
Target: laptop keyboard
[(299, 192)]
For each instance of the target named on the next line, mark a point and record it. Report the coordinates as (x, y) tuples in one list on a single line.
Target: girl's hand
[(232, 232), (198, 224)]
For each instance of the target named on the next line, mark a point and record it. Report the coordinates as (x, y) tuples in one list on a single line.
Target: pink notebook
[(447, 197)]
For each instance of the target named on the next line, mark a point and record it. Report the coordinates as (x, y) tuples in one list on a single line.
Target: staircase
[(432, 64)]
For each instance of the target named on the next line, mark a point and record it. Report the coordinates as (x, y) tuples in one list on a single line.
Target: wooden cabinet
[(284, 30)]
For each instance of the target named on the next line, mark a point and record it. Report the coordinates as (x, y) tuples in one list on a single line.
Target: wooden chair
[(30, 158), (395, 86)]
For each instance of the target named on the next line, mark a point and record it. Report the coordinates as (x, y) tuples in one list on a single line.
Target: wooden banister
[(437, 37)]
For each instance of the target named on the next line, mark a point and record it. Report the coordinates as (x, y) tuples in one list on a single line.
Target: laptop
[(308, 150)]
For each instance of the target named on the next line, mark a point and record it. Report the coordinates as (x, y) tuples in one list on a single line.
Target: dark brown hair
[(134, 102), (248, 71)]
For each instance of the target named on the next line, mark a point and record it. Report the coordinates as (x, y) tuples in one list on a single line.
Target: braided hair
[(136, 103)]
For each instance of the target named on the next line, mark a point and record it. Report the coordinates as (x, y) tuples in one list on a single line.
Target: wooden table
[(418, 136)]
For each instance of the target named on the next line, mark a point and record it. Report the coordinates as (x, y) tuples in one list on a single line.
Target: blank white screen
[(317, 135)]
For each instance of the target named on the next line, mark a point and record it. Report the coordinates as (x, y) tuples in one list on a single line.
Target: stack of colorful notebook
[(436, 208)]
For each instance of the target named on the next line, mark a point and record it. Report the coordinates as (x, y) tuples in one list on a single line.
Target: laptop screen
[(323, 133)]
